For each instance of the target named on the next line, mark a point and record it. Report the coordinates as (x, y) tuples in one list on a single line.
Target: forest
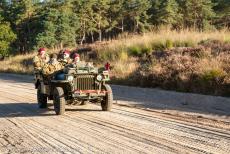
[(26, 25)]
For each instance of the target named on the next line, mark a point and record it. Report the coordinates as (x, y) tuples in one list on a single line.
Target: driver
[(77, 62), (65, 59)]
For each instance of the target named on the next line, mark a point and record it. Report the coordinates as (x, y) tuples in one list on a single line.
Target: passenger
[(65, 58), (52, 67), (40, 60), (60, 55)]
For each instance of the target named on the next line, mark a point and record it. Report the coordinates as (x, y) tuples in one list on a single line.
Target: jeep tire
[(107, 102), (59, 101), (41, 98)]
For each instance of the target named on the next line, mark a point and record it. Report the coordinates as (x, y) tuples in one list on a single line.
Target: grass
[(135, 45), (188, 61), (21, 64)]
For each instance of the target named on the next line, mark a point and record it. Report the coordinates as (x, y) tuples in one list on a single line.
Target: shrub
[(158, 45), (211, 82), (185, 43), (189, 43), (168, 44), (213, 75), (134, 50), (146, 49)]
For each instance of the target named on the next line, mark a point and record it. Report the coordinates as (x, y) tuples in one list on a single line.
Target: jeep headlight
[(99, 77), (70, 78)]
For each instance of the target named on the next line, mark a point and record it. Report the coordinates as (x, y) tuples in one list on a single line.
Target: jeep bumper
[(89, 93)]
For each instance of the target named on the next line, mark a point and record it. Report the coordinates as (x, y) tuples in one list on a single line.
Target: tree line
[(26, 25)]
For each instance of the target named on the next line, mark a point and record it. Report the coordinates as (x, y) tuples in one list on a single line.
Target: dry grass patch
[(18, 64)]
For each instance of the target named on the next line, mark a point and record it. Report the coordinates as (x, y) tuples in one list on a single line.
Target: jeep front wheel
[(107, 102), (59, 101), (41, 98)]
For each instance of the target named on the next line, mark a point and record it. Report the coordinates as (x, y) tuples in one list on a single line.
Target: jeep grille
[(85, 82)]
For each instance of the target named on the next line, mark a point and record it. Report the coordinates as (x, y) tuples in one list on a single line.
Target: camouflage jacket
[(65, 61), (50, 69), (39, 62)]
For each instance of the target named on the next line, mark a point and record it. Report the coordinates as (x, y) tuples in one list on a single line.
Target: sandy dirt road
[(139, 123)]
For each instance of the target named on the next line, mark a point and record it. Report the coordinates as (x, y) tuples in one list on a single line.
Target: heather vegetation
[(180, 45)]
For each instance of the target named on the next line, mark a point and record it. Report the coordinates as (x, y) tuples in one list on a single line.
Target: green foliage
[(169, 13), (154, 10), (212, 81), (159, 45), (59, 27), (212, 75), (48, 36), (169, 44), (134, 51), (197, 14), (116, 15), (222, 9), (185, 43), (146, 49), (65, 33), (23, 20), (136, 14), (6, 38)]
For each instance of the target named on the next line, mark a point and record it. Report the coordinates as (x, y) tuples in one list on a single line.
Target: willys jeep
[(74, 85)]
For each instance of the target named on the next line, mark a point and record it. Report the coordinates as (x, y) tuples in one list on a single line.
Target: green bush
[(134, 51), (188, 43), (168, 44), (158, 45), (146, 49), (178, 43), (213, 75)]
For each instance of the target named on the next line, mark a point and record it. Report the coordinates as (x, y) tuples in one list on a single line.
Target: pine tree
[(84, 12), (59, 25), (66, 25), (154, 11), (116, 16), (47, 37), (222, 9), (197, 14), (169, 13), (100, 9), (136, 11)]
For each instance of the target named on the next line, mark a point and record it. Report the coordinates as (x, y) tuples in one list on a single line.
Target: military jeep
[(73, 85)]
